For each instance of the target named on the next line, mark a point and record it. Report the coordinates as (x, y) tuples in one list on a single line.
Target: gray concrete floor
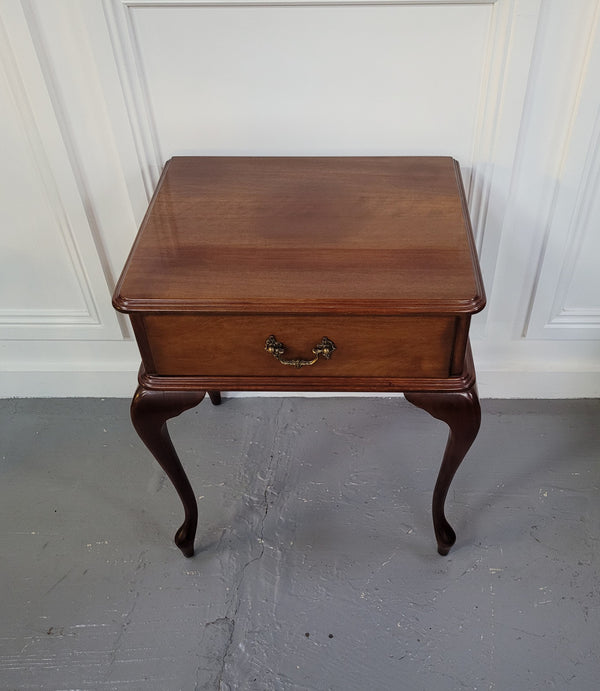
[(316, 566)]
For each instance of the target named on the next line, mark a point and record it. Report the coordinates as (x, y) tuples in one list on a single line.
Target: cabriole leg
[(150, 411), (462, 413)]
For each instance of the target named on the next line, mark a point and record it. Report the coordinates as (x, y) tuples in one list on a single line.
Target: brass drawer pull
[(324, 348)]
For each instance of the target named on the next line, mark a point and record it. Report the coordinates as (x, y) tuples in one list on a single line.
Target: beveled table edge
[(353, 307)]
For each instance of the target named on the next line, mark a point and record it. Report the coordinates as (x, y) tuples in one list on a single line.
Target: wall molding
[(503, 105), (133, 84), (39, 156), (576, 317), (40, 317), (499, 44), (566, 215), (588, 191), (75, 156)]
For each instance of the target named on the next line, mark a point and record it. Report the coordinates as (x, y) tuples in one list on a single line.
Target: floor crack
[(231, 617), (229, 624)]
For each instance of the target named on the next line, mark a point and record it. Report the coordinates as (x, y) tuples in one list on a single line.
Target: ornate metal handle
[(324, 348)]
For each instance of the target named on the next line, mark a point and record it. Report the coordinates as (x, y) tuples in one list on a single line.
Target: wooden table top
[(351, 235)]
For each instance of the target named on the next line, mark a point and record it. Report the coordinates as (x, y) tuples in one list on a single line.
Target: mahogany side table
[(304, 274)]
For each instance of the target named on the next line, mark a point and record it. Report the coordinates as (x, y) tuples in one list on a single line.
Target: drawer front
[(215, 345)]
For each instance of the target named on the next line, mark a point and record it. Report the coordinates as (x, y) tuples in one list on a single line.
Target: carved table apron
[(304, 274)]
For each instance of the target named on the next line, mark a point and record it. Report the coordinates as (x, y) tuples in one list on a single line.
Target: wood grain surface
[(352, 235)]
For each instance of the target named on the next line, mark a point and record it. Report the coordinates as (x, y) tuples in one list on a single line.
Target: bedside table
[(304, 274)]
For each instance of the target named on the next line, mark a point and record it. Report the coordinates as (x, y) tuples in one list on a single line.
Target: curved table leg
[(150, 411), (462, 413)]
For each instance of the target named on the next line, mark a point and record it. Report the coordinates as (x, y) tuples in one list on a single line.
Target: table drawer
[(226, 345)]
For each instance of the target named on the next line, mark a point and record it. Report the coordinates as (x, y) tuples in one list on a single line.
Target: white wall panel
[(510, 48), (565, 301), (30, 208), (558, 190), (298, 80), (53, 284)]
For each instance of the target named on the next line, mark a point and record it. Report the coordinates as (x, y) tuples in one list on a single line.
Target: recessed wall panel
[(325, 79)]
